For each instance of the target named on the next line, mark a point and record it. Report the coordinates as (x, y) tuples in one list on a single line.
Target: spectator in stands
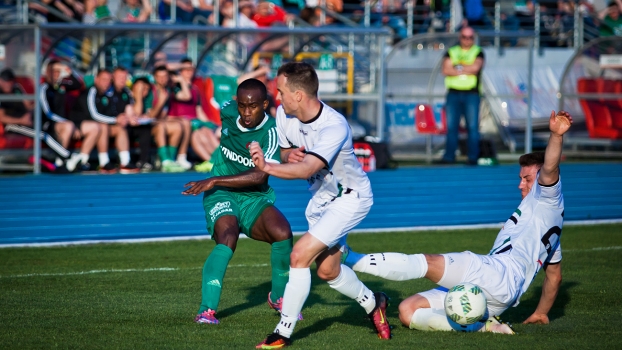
[(134, 11), (60, 80), (611, 19), (187, 11), (69, 10), (187, 109), (166, 131), (268, 14), (474, 14), (462, 67), (509, 21), (138, 129), (96, 104), (16, 116)]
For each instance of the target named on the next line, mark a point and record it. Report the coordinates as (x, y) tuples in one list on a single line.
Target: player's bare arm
[(293, 155), (251, 177), (301, 170), (558, 124), (550, 289)]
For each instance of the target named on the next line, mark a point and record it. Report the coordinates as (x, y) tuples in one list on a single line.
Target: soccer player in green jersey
[(237, 198)]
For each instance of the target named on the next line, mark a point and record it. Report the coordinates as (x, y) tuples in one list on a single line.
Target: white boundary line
[(367, 230), (90, 272)]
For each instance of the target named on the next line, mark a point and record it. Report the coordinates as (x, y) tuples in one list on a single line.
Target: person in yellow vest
[(462, 66)]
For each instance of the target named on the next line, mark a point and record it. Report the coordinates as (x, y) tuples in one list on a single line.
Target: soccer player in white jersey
[(316, 144), (528, 241)]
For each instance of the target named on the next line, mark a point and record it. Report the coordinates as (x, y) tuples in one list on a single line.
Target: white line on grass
[(597, 249), (120, 271)]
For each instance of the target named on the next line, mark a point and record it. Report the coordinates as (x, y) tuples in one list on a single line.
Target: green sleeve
[(229, 111), (270, 145)]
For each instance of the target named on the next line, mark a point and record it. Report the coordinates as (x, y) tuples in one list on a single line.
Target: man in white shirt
[(316, 144), (528, 241)]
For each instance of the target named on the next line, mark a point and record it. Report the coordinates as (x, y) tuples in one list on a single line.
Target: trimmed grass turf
[(70, 297)]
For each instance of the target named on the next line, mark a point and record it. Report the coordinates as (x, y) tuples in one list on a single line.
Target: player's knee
[(406, 312), (327, 273), (297, 259)]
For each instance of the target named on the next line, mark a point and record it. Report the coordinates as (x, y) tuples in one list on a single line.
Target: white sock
[(58, 161), (124, 157), (348, 284), (430, 320), (182, 158), (103, 158), (393, 266), (296, 293), (84, 158)]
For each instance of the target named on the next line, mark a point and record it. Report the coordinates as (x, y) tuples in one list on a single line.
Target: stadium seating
[(603, 117), (14, 141), (425, 122)]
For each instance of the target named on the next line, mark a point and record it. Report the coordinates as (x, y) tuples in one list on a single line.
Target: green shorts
[(245, 206), (197, 124)]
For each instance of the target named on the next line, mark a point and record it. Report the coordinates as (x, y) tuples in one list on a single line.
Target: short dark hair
[(52, 62), (186, 60), (529, 159), (300, 76), (159, 69), (121, 68), (7, 74), (254, 84), (103, 70)]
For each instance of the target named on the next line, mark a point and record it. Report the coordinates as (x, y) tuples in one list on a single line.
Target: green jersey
[(232, 156)]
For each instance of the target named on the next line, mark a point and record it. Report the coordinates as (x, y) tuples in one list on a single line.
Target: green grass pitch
[(143, 296)]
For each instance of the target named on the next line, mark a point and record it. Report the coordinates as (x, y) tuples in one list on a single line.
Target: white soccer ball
[(465, 304)]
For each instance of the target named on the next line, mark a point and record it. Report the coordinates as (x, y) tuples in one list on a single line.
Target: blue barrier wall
[(79, 207)]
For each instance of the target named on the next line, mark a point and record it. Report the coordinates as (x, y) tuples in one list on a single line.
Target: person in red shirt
[(267, 14)]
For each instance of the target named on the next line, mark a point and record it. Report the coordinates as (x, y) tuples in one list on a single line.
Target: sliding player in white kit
[(528, 241), (341, 197)]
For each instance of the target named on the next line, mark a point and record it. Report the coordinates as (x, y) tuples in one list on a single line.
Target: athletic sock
[(296, 293), (172, 152), (393, 266), (349, 285), (182, 158), (163, 153), (279, 260), (124, 157), (430, 320), (103, 159), (213, 275), (84, 158)]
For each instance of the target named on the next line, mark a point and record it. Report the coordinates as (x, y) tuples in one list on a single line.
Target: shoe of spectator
[(84, 167), (129, 169), (204, 167), (73, 162), (144, 167), (108, 169), (184, 164), (168, 166)]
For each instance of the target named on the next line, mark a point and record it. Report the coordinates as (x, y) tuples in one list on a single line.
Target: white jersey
[(531, 235), (329, 138)]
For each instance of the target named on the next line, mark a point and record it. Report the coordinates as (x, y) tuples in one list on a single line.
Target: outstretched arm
[(550, 288), (251, 177), (558, 124)]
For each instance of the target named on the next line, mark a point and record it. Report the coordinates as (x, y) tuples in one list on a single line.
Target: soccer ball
[(465, 304)]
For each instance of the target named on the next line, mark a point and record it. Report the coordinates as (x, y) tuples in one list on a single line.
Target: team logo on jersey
[(236, 157), (302, 132), (219, 208), (225, 131)]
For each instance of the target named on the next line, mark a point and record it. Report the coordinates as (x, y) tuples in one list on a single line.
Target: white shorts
[(497, 275), (331, 221)]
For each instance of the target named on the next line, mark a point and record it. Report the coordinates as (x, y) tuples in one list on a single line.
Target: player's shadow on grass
[(528, 306), (256, 295)]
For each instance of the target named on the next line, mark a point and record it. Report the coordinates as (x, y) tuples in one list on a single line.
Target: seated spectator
[(268, 14), (134, 11), (16, 116), (197, 129), (186, 10), (95, 104), (59, 80), (138, 129), (166, 131), (611, 21), (70, 10)]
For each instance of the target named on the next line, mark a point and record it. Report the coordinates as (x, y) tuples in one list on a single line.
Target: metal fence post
[(410, 18), (528, 124), (380, 83), (37, 114), (497, 24), (536, 26)]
